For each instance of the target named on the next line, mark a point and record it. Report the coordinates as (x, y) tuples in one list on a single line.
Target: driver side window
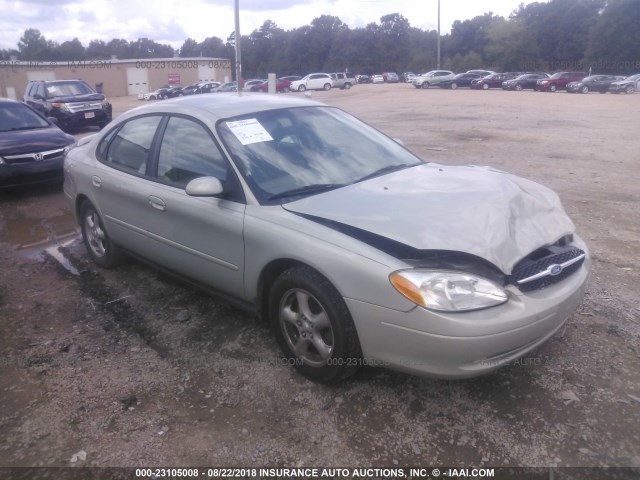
[(187, 151)]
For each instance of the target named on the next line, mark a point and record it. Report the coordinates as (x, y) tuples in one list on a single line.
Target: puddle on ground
[(36, 238)]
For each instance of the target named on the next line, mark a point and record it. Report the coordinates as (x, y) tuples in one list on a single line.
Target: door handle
[(157, 203), (97, 181)]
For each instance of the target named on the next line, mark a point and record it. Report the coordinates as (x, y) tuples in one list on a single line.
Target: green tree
[(614, 40), (71, 50), (190, 48), (98, 50), (33, 46)]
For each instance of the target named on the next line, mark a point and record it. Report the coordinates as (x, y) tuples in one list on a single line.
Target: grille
[(83, 106), (34, 157), (534, 273)]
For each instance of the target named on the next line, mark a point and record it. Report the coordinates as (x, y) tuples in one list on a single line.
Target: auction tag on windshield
[(249, 131)]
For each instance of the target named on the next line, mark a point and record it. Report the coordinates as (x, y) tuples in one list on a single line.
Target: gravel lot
[(134, 369)]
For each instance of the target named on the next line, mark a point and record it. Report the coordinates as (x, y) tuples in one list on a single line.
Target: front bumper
[(468, 344), (22, 174), (82, 118)]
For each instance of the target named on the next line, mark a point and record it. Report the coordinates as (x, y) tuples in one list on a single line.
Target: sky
[(173, 21)]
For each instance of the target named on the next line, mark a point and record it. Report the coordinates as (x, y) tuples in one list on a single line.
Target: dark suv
[(559, 81), (72, 102)]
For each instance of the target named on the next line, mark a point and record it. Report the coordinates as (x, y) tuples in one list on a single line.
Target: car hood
[(90, 97), (477, 210), (30, 141)]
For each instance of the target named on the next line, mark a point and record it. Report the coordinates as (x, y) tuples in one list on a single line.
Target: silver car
[(356, 251)]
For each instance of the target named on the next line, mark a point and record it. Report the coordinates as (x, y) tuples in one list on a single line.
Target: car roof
[(222, 105)]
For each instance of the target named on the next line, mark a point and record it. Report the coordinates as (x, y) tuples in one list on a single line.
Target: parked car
[(343, 80), (559, 81), (32, 147), (206, 87), (491, 81), (628, 85), (362, 78), (226, 87), (390, 77), (408, 77), (594, 83), (159, 94), (190, 89), (313, 81), (459, 80), (282, 86), (175, 91), (376, 79), (73, 103), (246, 86), (306, 216), (527, 81), (482, 73), (433, 77)]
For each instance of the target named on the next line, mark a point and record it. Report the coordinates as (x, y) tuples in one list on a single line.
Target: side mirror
[(53, 120), (204, 187)]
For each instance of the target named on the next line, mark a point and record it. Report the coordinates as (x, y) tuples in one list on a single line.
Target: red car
[(282, 85), (492, 81), (559, 81)]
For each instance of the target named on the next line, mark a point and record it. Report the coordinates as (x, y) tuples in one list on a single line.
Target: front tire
[(454, 86), (485, 86), (313, 326), (327, 86), (629, 89), (302, 88), (553, 88), (426, 85), (585, 89), (99, 246), (519, 87)]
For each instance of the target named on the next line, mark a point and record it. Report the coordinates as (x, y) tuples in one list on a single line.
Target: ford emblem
[(555, 269)]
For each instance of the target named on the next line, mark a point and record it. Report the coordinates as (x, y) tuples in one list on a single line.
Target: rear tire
[(454, 86), (629, 89), (584, 89), (100, 248), (313, 326), (485, 86), (519, 87)]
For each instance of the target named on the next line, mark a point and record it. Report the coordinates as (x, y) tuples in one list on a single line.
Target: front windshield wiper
[(307, 190), (383, 170)]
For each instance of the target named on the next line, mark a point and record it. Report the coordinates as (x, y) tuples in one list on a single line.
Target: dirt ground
[(129, 368)]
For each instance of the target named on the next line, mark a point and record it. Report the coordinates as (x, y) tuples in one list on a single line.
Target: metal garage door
[(137, 80), (41, 75), (206, 72)]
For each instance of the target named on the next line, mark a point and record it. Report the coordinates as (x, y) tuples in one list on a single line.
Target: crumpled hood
[(478, 210)]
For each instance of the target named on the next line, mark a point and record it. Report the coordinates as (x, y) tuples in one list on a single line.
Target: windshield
[(16, 116), (68, 89), (307, 150)]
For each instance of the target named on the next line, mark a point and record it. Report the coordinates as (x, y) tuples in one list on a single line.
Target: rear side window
[(131, 145)]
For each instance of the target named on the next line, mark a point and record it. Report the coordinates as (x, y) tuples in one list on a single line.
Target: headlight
[(447, 291), (61, 106)]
